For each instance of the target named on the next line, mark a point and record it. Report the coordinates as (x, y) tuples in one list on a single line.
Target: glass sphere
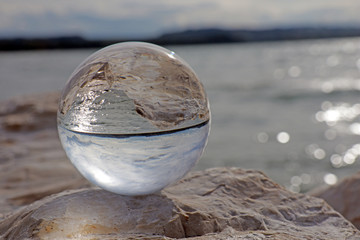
[(133, 118)]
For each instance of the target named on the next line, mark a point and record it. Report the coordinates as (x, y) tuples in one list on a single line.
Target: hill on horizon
[(190, 36)]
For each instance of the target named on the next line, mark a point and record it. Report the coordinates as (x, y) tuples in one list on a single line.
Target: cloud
[(265, 13), (90, 18), (135, 18)]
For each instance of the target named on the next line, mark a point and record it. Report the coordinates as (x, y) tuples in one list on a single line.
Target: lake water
[(290, 109)]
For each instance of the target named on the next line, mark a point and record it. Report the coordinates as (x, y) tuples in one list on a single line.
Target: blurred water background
[(290, 109)]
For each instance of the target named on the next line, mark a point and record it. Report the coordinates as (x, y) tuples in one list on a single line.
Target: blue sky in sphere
[(135, 18)]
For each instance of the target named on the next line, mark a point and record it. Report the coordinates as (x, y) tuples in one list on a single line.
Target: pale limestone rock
[(212, 204), (215, 203), (32, 162), (344, 198)]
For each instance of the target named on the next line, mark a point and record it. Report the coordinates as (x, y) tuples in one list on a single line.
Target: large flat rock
[(43, 197), (215, 204)]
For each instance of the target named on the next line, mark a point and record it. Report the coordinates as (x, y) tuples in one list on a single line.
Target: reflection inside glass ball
[(133, 118)]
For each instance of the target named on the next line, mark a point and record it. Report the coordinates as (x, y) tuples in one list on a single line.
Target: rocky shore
[(42, 196)]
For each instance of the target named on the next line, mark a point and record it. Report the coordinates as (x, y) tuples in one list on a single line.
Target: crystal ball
[(133, 118)]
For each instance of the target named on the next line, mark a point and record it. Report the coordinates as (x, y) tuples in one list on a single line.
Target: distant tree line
[(50, 43), (201, 36)]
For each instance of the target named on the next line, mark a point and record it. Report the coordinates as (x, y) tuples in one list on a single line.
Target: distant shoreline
[(201, 36)]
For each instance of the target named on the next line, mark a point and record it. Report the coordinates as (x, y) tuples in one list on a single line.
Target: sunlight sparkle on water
[(294, 71), (334, 113), (262, 137), (283, 137), (330, 178), (332, 61)]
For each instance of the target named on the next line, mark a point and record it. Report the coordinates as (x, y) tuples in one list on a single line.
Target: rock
[(42, 196), (344, 198), (32, 162), (32, 112), (215, 204)]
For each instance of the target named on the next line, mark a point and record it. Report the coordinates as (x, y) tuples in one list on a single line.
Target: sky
[(135, 18)]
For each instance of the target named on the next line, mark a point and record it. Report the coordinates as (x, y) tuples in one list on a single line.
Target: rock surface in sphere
[(133, 118), (212, 204), (132, 87)]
